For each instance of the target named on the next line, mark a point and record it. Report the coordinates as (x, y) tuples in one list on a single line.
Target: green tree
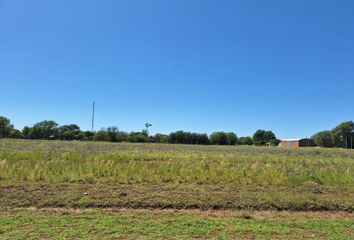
[(80, 136), (180, 137), (5, 127), (262, 137), (203, 139), (323, 139), (269, 135), (47, 129), (138, 137), (15, 133), (100, 135), (218, 138), (231, 138), (122, 136), (112, 134), (161, 138), (69, 132), (340, 132), (188, 138), (88, 135), (26, 132), (274, 142), (245, 141)]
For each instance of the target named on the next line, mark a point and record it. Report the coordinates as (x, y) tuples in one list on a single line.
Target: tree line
[(335, 137), (51, 130)]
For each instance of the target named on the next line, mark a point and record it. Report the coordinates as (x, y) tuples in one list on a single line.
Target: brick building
[(302, 142)]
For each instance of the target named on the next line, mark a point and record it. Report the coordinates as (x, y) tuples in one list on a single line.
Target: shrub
[(122, 136), (218, 138), (245, 141), (161, 138), (323, 139), (188, 138), (137, 137), (15, 133), (112, 134), (100, 135)]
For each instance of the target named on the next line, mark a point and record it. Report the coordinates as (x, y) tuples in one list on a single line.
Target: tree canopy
[(263, 137), (323, 139), (336, 137), (5, 127), (50, 130)]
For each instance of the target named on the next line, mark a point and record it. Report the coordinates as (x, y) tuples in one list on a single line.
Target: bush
[(245, 141), (274, 142), (161, 138), (122, 136), (89, 135), (26, 132), (100, 135), (68, 132), (323, 139), (15, 133), (218, 138), (138, 137), (223, 138), (80, 136), (188, 138), (112, 134)]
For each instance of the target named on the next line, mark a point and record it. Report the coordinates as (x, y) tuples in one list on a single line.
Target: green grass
[(145, 224), (93, 190), (40, 173), (130, 163)]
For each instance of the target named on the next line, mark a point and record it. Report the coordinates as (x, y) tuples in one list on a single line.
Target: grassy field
[(170, 224), (81, 175)]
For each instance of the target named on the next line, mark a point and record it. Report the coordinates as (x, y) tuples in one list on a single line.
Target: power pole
[(93, 116)]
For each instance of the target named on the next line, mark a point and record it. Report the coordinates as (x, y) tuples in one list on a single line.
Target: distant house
[(350, 140), (302, 142)]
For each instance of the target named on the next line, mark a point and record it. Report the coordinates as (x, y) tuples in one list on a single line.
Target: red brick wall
[(300, 143), (286, 144), (306, 143)]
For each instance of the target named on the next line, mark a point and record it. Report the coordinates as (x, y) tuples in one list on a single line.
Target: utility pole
[(93, 116)]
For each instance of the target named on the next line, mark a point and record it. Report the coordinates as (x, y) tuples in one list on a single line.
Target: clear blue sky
[(196, 65)]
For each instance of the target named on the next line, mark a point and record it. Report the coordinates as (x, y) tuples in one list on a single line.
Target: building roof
[(293, 139)]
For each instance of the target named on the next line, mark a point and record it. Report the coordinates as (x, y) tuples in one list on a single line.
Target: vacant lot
[(81, 175)]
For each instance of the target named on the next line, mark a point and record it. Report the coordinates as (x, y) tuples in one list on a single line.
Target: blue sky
[(196, 65)]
